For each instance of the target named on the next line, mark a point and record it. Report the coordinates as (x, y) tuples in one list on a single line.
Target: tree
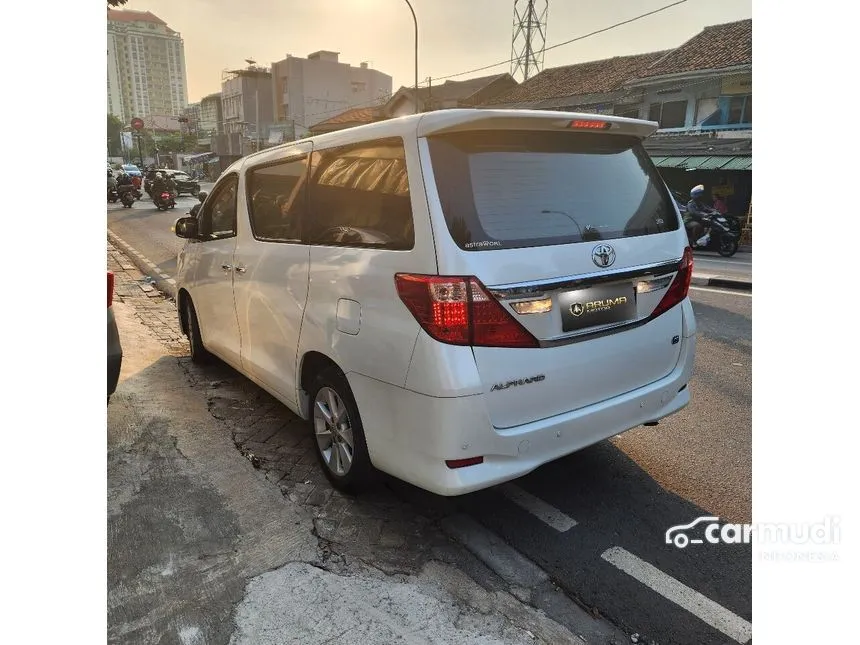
[(114, 138)]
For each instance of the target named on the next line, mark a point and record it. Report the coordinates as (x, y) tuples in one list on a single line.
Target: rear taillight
[(110, 288), (459, 311), (680, 286), (165, 195)]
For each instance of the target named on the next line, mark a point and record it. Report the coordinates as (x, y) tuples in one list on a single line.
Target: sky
[(453, 35)]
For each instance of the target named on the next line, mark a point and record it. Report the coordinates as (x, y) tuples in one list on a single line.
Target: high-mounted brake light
[(110, 288), (458, 310), (588, 124), (680, 286)]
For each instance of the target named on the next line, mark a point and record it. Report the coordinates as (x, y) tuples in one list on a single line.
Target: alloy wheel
[(333, 431)]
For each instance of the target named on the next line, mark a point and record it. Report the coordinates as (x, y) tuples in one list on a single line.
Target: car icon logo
[(675, 535), (603, 255), (576, 309)]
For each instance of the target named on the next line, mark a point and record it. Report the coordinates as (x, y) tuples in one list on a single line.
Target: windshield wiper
[(568, 216)]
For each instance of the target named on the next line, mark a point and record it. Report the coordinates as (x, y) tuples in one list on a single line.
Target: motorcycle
[(127, 195), (722, 234), (112, 195), (165, 200)]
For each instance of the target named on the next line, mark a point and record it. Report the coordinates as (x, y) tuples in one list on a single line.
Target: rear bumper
[(410, 435), (114, 353)]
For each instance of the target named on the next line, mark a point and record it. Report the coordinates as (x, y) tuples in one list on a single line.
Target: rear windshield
[(515, 189)]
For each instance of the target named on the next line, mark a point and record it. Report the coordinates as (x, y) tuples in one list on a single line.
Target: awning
[(704, 163), (739, 163)]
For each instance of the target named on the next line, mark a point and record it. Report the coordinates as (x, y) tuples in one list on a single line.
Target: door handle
[(241, 269), (226, 267)]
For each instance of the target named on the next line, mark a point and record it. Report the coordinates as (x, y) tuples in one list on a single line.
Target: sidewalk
[(203, 547)]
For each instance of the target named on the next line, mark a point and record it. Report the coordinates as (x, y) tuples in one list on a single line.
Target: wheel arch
[(182, 297), (312, 363)]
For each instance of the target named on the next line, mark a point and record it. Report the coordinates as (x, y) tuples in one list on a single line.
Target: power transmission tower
[(529, 40)]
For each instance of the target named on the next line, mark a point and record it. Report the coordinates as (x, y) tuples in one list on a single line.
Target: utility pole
[(415, 20), (257, 104), (429, 94), (139, 149)]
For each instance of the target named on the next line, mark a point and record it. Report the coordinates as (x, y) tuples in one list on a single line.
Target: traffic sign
[(137, 124)]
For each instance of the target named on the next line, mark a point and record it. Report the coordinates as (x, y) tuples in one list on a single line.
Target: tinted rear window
[(516, 189)]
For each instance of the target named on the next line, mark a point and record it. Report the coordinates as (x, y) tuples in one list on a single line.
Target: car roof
[(452, 120)]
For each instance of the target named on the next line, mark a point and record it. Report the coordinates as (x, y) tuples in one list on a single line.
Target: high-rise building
[(145, 67)]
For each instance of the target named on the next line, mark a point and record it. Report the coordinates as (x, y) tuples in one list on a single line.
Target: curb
[(162, 281), (529, 582), (726, 283)]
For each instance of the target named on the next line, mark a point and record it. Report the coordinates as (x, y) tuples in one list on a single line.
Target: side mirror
[(186, 227)]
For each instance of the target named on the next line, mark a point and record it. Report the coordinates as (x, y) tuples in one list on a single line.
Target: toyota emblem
[(603, 255)]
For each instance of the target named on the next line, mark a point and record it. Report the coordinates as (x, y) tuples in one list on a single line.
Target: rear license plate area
[(595, 306)]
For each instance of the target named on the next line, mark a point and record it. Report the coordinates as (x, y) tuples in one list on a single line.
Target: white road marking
[(745, 294), (540, 509), (704, 608)]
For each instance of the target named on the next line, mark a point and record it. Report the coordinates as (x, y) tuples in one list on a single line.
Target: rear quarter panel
[(383, 345)]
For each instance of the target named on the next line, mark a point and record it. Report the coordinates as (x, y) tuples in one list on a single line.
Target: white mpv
[(453, 298)]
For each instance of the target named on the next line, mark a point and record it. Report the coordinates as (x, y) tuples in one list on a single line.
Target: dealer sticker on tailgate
[(599, 305)]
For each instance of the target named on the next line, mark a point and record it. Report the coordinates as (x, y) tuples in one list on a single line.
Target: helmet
[(698, 191), (202, 195)]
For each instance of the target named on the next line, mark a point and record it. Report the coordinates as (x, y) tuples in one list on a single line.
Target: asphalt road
[(596, 521), (737, 267), (629, 491)]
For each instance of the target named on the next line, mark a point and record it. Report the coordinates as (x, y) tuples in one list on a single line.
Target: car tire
[(195, 191), (338, 433), (199, 354)]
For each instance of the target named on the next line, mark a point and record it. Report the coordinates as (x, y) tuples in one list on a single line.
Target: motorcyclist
[(151, 174), (111, 183), (158, 186), (171, 185), (696, 215), (123, 179), (196, 208)]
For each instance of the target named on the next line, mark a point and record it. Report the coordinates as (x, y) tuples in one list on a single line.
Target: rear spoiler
[(445, 121)]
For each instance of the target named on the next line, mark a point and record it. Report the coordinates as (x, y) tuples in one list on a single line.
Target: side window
[(276, 199), (218, 214), (359, 196)]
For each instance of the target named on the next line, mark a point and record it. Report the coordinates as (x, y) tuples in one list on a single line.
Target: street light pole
[(415, 20)]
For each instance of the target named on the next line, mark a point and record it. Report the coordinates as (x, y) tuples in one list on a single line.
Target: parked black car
[(184, 183)]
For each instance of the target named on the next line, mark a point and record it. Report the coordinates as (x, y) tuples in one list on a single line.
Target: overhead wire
[(510, 60), (568, 42)]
